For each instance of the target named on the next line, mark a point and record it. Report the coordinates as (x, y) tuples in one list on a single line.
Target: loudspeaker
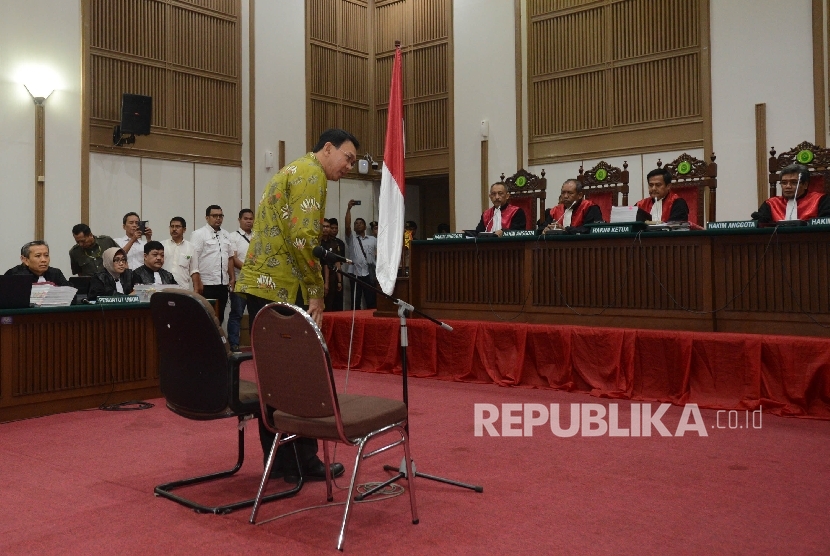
[(136, 113)]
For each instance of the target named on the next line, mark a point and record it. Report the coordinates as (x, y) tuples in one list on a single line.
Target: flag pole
[(390, 223)]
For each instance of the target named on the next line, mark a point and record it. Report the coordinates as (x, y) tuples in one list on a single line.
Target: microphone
[(795, 200), (326, 255)]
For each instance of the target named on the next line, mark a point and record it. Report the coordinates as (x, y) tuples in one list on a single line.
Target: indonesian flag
[(391, 209)]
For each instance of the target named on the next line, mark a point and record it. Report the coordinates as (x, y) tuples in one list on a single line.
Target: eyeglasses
[(217, 216), (350, 158), (789, 182), (119, 260)]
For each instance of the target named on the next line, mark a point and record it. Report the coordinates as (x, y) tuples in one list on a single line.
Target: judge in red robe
[(573, 210), (661, 205), (795, 202), (502, 215)]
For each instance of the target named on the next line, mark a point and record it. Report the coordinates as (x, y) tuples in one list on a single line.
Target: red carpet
[(81, 483), (786, 375)]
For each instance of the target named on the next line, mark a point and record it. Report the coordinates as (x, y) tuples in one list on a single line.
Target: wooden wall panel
[(570, 41), (391, 23), (322, 24), (201, 41), (186, 55), (115, 76), (567, 104), (653, 105), (350, 54), (430, 20), (602, 72), (59, 356)]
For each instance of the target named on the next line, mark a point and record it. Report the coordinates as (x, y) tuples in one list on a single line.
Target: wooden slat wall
[(601, 71), (339, 85), (631, 276), (792, 277), (350, 53), (59, 355), (183, 53)]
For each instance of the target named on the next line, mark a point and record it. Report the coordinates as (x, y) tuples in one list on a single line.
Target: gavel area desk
[(68, 358), (763, 281)]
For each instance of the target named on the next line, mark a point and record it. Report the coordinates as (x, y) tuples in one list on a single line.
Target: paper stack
[(46, 295)]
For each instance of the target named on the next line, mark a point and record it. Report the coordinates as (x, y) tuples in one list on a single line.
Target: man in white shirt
[(362, 251), (240, 240), (215, 251), (180, 258), (135, 235)]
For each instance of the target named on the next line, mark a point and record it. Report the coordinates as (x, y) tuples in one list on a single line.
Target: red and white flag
[(391, 207)]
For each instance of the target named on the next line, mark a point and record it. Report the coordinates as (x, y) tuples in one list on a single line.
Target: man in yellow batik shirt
[(280, 265)]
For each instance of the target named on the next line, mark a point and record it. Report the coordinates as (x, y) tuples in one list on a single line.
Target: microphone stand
[(404, 308)]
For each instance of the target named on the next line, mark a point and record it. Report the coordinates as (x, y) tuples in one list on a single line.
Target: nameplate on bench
[(732, 225), (621, 228), (519, 233), (118, 299), (448, 236), (825, 221)]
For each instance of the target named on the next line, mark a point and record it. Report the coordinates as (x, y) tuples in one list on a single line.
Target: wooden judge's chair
[(528, 192), (603, 184), (815, 158), (690, 178)]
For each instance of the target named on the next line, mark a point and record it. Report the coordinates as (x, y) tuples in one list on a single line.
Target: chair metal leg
[(165, 490), (265, 475), (341, 539)]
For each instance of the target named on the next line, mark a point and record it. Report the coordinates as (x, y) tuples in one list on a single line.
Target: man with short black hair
[(85, 255), (281, 266), (151, 272), (330, 241), (363, 251), (662, 204), (795, 202), (134, 235), (241, 239), (180, 258), (215, 251), (34, 258)]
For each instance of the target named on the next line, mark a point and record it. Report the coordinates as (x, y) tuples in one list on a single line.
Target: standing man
[(662, 204), (280, 265), (135, 235), (502, 215), (215, 251), (85, 255), (362, 250), (334, 302), (241, 239), (333, 279), (180, 258)]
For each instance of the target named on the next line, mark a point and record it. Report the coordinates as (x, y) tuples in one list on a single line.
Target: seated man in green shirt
[(85, 255)]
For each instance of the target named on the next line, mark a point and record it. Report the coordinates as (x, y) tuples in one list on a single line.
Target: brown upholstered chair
[(298, 398), (528, 192), (200, 380), (815, 158), (690, 179), (603, 184)]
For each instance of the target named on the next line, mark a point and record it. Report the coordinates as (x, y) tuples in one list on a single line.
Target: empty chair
[(199, 379), (298, 398)]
